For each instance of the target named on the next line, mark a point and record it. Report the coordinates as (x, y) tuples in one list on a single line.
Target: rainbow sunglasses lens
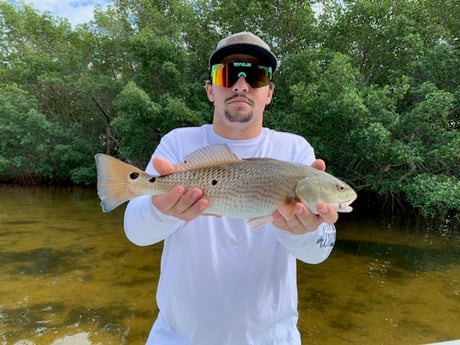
[(227, 74)]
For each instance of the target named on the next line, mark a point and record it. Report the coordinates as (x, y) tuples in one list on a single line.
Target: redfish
[(251, 189)]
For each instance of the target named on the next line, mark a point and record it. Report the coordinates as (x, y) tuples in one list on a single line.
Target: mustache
[(240, 95)]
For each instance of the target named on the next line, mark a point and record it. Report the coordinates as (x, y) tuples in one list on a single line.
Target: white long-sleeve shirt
[(221, 282)]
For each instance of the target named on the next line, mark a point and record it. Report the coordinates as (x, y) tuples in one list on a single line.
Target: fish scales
[(251, 189), (241, 189)]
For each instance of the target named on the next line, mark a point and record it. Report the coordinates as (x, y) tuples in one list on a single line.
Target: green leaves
[(136, 125), (373, 85), (434, 195), (141, 122), (34, 148)]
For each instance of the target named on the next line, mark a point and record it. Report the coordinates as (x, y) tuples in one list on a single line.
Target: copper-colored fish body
[(246, 189), (242, 189)]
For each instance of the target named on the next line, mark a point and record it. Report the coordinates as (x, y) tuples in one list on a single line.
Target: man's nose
[(240, 85)]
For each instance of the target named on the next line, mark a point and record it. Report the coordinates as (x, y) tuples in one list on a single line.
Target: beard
[(240, 116), (237, 116)]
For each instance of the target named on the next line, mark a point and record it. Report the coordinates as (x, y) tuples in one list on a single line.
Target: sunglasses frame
[(251, 80)]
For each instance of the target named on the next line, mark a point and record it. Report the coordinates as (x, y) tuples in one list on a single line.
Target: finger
[(181, 203), (164, 203), (187, 200), (296, 218), (278, 221), (327, 213), (195, 210), (163, 166), (306, 221), (288, 210), (319, 164)]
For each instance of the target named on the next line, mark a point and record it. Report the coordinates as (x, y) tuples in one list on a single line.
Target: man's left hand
[(296, 218)]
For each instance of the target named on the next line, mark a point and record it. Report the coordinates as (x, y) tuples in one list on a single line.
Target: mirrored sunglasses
[(227, 74)]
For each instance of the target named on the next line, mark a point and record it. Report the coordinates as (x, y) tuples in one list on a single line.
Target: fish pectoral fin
[(257, 222), (212, 214)]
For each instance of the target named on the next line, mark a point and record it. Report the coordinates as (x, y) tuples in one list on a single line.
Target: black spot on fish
[(214, 182), (133, 175), (152, 179)]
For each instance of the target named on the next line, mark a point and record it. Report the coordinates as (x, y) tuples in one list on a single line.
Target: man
[(221, 282)]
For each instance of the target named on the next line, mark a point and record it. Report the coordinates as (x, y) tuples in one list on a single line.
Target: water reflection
[(68, 272), (386, 283), (404, 256), (69, 276)]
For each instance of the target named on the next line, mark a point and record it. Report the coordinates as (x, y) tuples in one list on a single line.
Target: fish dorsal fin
[(210, 154)]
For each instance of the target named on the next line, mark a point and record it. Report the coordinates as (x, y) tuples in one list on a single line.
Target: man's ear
[(271, 89), (208, 88)]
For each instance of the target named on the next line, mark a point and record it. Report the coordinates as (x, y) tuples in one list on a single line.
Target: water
[(69, 276)]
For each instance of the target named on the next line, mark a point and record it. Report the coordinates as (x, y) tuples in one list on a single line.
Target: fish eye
[(133, 175), (340, 187)]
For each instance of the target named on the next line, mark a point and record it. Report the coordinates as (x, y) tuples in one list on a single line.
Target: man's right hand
[(179, 202)]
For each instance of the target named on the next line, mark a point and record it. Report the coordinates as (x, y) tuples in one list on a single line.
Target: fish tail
[(114, 185)]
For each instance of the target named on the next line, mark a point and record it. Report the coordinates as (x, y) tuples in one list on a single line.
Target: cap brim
[(260, 53)]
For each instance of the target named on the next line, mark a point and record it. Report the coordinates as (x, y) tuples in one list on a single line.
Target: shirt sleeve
[(143, 223), (311, 247)]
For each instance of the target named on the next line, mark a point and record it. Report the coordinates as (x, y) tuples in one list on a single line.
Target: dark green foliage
[(373, 85), (35, 149), (141, 122)]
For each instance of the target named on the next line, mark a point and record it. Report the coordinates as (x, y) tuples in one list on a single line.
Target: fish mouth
[(344, 206)]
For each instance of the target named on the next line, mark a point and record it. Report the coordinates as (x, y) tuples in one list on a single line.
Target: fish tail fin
[(114, 185)]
